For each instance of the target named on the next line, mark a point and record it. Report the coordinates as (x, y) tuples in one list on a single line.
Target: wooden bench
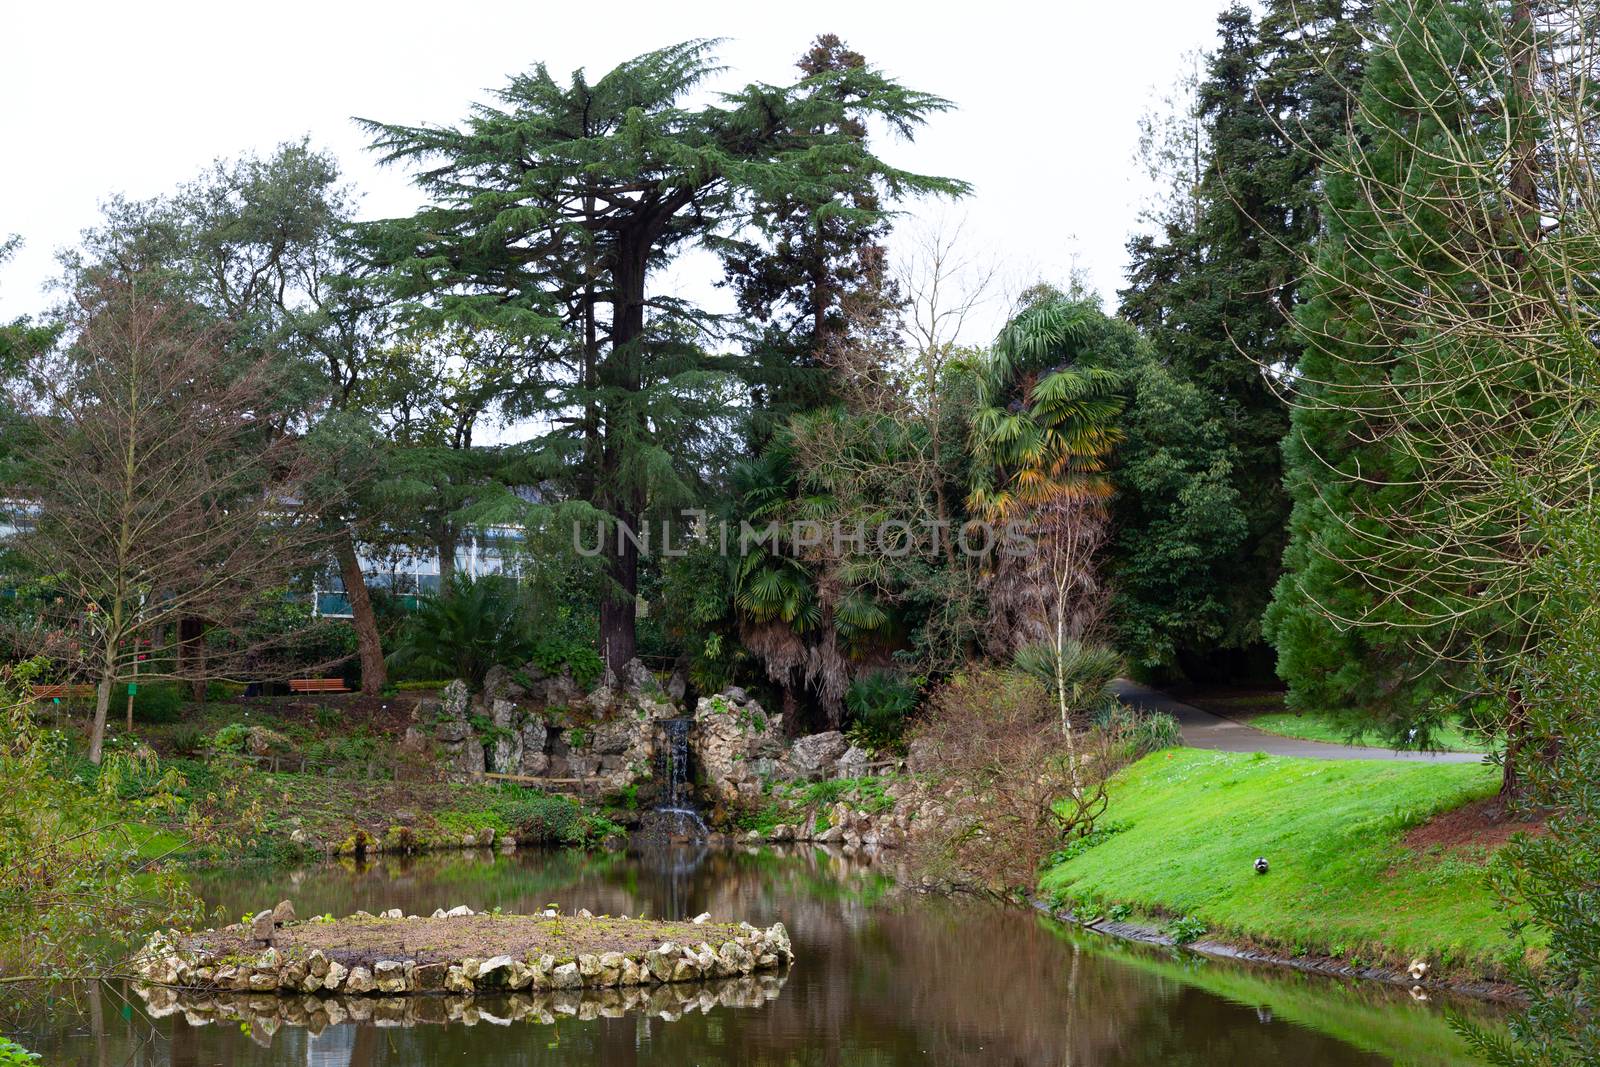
[(63, 692), (317, 685)]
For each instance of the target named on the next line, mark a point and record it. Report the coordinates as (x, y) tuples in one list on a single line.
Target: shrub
[(551, 653), (1082, 672), (14, 1055), (1138, 733), (1017, 788), (481, 624), (1186, 931), (547, 820), (879, 704), (188, 741), (157, 702)]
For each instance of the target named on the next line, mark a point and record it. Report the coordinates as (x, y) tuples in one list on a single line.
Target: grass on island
[(1266, 711), (1185, 826)]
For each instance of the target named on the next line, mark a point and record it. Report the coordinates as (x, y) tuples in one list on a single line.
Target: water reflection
[(881, 977)]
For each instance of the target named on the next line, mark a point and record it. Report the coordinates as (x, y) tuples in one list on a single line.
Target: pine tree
[(1216, 289), (550, 211), (814, 285)]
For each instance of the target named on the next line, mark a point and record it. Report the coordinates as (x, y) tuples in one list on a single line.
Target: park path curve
[(1201, 729)]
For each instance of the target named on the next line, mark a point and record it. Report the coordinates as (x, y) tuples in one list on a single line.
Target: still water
[(881, 977)]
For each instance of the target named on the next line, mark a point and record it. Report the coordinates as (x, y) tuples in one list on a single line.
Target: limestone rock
[(261, 926), (428, 978), (817, 756), (853, 764), (389, 976), (535, 733), (734, 743), (359, 981), (455, 700), (283, 913)]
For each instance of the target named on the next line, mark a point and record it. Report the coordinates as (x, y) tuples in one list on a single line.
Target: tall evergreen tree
[(1424, 402), (550, 211), (814, 284), (1215, 290)]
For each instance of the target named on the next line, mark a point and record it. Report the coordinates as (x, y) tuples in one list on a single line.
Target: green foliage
[(14, 1055), (1179, 591), (232, 738), (1547, 879), (879, 705), (552, 653), (1185, 930), (1139, 733), (188, 741), (1077, 672), (1210, 288), (158, 702), (77, 887), (554, 821), (480, 624)]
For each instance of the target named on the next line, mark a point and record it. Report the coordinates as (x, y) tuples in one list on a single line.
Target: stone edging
[(167, 960)]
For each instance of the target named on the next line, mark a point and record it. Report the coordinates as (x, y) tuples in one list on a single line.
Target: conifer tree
[(551, 209), (1215, 290)]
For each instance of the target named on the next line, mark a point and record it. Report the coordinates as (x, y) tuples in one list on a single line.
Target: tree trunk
[(447, 557), (192, 654), (374, 673), (1516, 737), (102, 705), (620, 496), (619, 607)]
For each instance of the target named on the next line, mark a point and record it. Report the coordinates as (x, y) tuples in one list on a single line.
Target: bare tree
[(165, 488)]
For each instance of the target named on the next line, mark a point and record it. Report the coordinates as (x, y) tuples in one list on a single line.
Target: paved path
[(1201, 729)]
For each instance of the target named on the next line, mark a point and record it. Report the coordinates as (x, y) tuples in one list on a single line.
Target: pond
[(882, 976)]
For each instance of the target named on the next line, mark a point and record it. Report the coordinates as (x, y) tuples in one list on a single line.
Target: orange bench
[(63, 692), (318, 685)]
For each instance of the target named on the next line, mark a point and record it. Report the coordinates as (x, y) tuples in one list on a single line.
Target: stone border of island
[(214, 960)]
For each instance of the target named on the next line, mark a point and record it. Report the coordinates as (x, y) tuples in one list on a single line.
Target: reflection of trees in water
[(882, 976)]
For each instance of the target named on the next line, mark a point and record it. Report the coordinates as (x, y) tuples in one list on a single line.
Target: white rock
[(701, 919)]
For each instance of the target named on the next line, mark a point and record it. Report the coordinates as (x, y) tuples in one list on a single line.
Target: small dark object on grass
[(1261, 865)]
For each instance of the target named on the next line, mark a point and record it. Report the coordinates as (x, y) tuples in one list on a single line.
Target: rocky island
[(457, 951)]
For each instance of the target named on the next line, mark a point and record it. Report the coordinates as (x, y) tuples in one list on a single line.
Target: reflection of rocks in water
[(266, 1014), (671, 826)]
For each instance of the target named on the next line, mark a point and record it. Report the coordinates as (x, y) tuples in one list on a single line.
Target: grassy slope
[(1341, 880)]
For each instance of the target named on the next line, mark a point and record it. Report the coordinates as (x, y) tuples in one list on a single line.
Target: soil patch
[(365, 940), (1482, 824)]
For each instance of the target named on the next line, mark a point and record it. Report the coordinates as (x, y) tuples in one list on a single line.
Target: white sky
[(134, 98)]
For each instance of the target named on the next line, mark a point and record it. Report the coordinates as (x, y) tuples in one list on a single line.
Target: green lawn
[(1341, 881)]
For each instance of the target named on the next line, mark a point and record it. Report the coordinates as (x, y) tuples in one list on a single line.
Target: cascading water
[(676, 812)]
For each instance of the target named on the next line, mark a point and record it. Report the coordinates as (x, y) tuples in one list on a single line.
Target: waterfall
[(676, 808)]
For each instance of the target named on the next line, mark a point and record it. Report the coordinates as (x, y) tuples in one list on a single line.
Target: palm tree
[(1045, 420)]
